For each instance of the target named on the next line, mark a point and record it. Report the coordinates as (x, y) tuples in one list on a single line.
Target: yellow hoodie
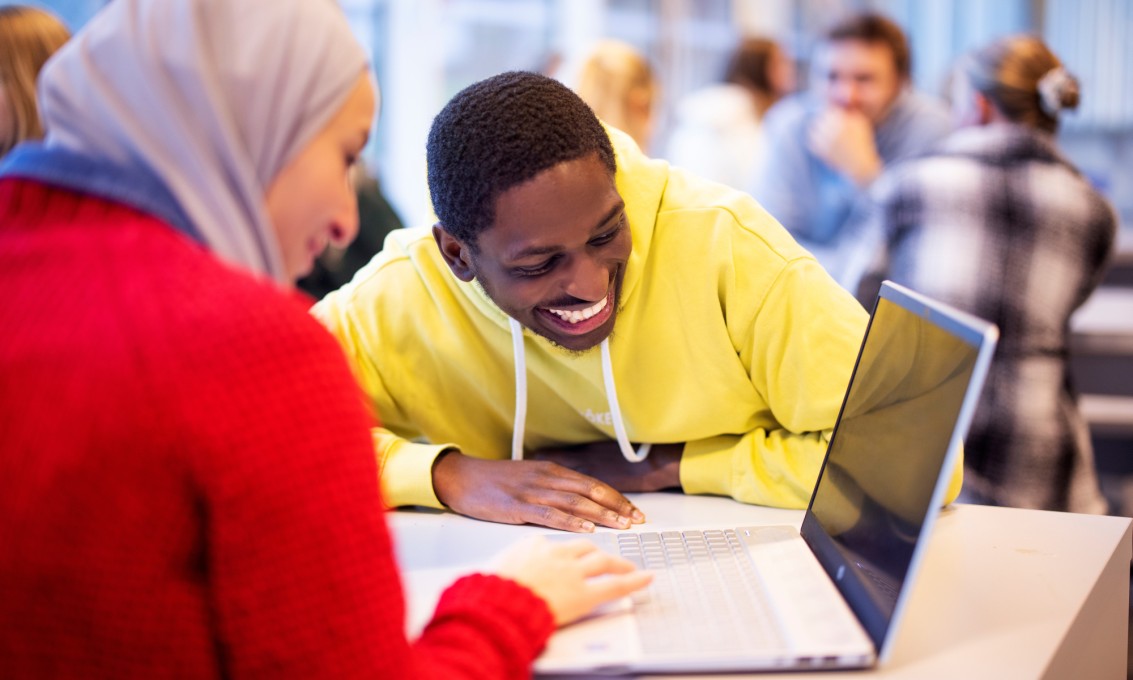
[(731, 339)]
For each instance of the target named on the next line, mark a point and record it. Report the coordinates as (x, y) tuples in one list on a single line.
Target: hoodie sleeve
[(406, 469), (800, 346)]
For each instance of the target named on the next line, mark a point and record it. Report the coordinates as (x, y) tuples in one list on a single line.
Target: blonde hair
[(617, 82), (1024, 80), (28, 37)]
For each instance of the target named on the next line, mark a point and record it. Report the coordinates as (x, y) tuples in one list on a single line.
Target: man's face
[(555, 256), (861, 76)]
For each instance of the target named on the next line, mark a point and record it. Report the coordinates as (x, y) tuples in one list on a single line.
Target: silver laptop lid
[(893, 451)]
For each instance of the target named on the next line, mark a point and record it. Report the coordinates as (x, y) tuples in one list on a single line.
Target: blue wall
[(74, 13)]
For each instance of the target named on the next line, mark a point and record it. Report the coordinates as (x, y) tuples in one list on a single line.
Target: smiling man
[(557, 272), (584, 321), (826, 146)]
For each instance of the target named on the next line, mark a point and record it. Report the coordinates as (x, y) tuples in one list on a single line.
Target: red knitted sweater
[(187, 486)]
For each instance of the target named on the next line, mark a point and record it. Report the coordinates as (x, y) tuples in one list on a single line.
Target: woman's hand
[(571, 577)]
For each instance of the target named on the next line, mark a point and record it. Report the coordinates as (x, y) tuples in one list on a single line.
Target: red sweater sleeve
[(477, 603), (305, 582)]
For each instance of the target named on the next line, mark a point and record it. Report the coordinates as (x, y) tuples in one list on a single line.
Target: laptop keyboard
[(705, 595)]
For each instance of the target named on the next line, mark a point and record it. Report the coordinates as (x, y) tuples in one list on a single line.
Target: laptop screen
[(885, 458)]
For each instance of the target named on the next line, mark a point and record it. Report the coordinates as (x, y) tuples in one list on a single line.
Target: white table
[(1003, 593)]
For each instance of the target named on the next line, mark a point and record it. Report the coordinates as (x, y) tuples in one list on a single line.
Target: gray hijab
[(212, 97)]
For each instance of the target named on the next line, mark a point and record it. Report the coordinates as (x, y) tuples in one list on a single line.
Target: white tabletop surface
[(1003, 593)]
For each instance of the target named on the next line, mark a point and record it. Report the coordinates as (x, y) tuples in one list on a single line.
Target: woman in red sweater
[(187, 486)]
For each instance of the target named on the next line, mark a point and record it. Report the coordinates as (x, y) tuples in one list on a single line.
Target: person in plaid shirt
[(997, 222)]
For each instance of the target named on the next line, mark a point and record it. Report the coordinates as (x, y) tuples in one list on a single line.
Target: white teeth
[(581, 314)]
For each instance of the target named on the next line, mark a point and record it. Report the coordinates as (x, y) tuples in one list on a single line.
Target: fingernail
[(623, 521), (638, 516), (588, 527)]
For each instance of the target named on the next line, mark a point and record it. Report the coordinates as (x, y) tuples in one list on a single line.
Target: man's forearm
[(665, 463)]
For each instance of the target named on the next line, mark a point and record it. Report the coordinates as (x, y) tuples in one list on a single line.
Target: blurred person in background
[(999, 223), (336, 265), (717, 132), (618, 84), (28, 37), (826, 146), (187, 483)]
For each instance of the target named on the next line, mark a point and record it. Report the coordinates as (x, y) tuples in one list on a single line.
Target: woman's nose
[(343, 231)]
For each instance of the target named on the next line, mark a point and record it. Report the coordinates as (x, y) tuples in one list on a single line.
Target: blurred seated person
[(1000, 224), (187, 485), (336, 265), (717, 133), (618, 84), (28, 37), (826, 146)]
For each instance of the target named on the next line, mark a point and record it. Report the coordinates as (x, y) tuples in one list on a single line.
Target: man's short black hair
[(875, 29), (501, 132)]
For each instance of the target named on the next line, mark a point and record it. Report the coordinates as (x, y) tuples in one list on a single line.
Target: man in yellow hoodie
[(584, 321)]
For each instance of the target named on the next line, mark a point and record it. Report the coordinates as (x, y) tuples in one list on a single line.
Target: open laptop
[(832, 594)]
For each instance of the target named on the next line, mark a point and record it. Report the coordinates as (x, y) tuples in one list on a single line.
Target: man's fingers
[(549, 516), (597, 491), (581, 506), (540, 493), (607, 497)]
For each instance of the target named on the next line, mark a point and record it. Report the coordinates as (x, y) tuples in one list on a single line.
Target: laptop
[(832, 593)]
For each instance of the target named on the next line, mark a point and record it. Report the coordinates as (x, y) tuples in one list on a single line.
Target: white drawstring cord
[(520, 423), (520, 361), (616, 411)]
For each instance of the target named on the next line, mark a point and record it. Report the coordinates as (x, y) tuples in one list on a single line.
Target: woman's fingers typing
[(572, 577)]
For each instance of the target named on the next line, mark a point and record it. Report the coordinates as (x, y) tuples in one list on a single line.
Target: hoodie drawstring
[(616, 411), (520, 360), (520, 356)]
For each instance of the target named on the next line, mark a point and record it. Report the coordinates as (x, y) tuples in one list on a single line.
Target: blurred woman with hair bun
[(999, 223)]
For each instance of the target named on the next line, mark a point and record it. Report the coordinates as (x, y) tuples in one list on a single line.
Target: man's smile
[(579, 321)]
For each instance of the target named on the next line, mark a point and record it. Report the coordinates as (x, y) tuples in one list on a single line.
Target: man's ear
[(457, 255)]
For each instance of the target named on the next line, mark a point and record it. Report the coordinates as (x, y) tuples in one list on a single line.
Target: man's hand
[(529, 492), (844, 140), (604, 461)]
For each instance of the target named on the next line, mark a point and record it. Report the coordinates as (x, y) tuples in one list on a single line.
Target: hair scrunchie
[(1051, 87)]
